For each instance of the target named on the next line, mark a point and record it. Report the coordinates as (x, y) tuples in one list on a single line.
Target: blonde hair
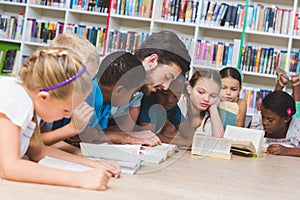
[(47, 67), (85, 50)]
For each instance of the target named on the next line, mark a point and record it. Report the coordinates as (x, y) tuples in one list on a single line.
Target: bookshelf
[(125, 25)]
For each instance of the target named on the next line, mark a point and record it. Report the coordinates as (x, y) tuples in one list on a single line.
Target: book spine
[(219, 54), (165, 9), (249, 17), (205, 6), (210, 11), (278, 20), (238, 13), (228, 16), (182, 10), (189, 11), (257, 60), (216, 12), (296, 22), (195, 11)]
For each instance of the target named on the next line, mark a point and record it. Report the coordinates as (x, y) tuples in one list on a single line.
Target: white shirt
[(205, 127), (18, 107)]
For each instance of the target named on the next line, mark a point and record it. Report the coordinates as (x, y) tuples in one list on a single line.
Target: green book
[(228, 113)]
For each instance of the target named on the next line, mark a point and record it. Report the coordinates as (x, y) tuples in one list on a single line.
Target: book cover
[(9, 61), (228, 113)]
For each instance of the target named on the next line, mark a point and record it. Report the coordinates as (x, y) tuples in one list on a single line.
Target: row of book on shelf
[(266, 60), (94, 34), (269, 19), (253, 97), (259, 17), (254, 59), (216, 54), (262, 60), (181, 11), (130, 40), (91, 5), (42, 31), (53, 3), (11, 27), (125, 40), (140, 8)]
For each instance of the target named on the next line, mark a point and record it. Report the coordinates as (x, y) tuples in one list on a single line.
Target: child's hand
[(112, 167), (81, 116), (214, 105), (278, 149), (95, 179), (146, 137)]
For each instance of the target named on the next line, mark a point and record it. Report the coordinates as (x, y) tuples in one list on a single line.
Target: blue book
[(229, 55), (228, 113), (298, 63)]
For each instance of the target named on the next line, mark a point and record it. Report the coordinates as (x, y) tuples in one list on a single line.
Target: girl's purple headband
[(69, 80)]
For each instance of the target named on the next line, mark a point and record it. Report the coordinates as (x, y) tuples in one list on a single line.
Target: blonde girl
[(50, 84)]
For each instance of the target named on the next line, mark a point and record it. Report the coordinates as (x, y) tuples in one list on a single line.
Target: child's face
[(167, 98), (230, 89), (273, 124), (121, 95), (204, 93), (161, 76), (57, 109)]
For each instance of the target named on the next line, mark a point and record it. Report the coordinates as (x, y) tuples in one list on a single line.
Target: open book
[(128, 153), (127, 156), (62, 164), (245, 141), (211, 147), (157, 154)]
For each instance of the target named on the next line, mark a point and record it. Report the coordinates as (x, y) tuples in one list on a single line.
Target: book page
[(157, 154), (245, 134), (127, 153), (205, 145), (62, 164)]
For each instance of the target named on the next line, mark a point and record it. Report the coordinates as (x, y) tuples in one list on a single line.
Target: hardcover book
[(9, 61)]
